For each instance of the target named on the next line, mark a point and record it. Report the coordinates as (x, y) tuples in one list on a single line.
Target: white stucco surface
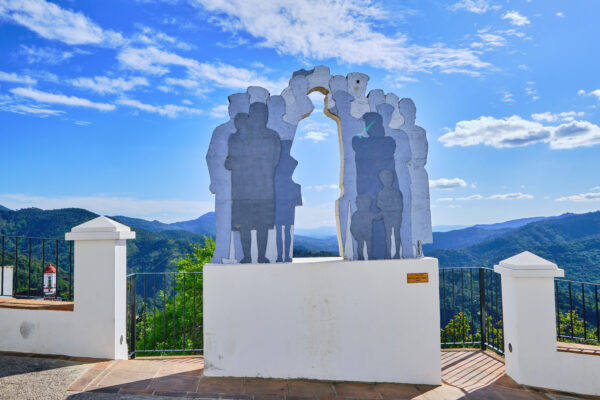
[(530, 330), (96, 327), (7, 284), (338, 320)]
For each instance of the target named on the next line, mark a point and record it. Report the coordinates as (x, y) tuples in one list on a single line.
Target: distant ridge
[(203, 225), (2, 208)]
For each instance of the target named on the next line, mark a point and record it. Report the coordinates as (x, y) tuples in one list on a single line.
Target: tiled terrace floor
[(466, 375)]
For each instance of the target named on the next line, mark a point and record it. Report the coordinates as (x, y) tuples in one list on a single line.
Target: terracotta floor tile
[(262, 387), (167, 393), (125, 379), (356, 390), (269, 397), (137, 366), (129, 390), (299, 398), (397, 391), (180, 383), (83, 381), (108, 389), (497, 392), (235, 397), (305, 388), (229, 386)]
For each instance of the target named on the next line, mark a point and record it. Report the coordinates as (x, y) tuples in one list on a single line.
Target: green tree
[(172, 319), (570, 324)]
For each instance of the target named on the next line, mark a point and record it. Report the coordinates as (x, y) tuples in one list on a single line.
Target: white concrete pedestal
[(329, 320)]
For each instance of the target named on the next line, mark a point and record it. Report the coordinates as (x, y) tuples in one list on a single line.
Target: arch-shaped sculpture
[(383, 210)]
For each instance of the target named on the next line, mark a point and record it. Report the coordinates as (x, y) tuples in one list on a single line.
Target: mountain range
[(570, 240)]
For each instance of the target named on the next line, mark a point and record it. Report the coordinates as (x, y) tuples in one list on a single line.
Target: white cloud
[(14, 78), (336, 29), (471, 197), (560, 14), (445, 183), (150, 36), (104, 84), (504, 196), (553, 117), (186, 83), (581, 197), (314, 216), (44, 97), (166, 210), (155, 61), (489, 40), (575, 134), (220, 111), (507, 97), (516, 18), (24, 109), (511, 196), (515, 131), (315, 136), (595, 93), (322, 187), (504, 132), (46, 55), (445, 199), (53, 22), (475, 6), (581, 92), (523, 67), (169, 110)]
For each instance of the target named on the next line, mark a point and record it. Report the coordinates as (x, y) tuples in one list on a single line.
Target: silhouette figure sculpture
[(287, 197), (361, 225), (374, 154), (391, 204), (254, 152)]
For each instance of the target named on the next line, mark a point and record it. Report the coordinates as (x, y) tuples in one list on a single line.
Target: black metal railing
[(577, 311), (471, 308), (28, 256), (164, 313)]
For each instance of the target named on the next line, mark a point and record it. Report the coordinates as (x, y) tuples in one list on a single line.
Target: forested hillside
[(572, 242), (150, 251)]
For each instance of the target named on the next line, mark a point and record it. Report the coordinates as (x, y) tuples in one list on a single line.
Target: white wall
[(530, 330), (338, 320), (8, 281), (96, 327)]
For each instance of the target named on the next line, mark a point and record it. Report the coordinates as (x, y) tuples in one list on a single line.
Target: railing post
[(132, 312), (482, 306)]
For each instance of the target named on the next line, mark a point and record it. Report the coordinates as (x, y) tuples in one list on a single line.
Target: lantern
[(49, 281)]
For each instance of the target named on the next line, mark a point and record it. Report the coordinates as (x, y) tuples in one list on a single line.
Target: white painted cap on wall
[(528, 265), (101, 228)]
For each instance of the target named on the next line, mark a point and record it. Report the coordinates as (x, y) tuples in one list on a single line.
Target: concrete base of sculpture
[(328, 320)]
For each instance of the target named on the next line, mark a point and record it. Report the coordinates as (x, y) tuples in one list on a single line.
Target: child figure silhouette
[(391, 204), (361, 225)]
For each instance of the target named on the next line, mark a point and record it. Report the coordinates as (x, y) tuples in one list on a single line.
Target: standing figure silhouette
[(254, 152)]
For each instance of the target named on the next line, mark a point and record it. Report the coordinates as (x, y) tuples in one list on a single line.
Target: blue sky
[(110, 105)]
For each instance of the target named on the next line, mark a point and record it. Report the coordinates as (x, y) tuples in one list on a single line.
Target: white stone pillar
[(529, 317), (100, 284)]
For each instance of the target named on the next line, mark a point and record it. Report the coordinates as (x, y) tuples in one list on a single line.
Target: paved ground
[(466, 374), (37, 378)]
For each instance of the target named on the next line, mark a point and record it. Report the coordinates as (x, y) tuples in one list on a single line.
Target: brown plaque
[(422, 277)]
